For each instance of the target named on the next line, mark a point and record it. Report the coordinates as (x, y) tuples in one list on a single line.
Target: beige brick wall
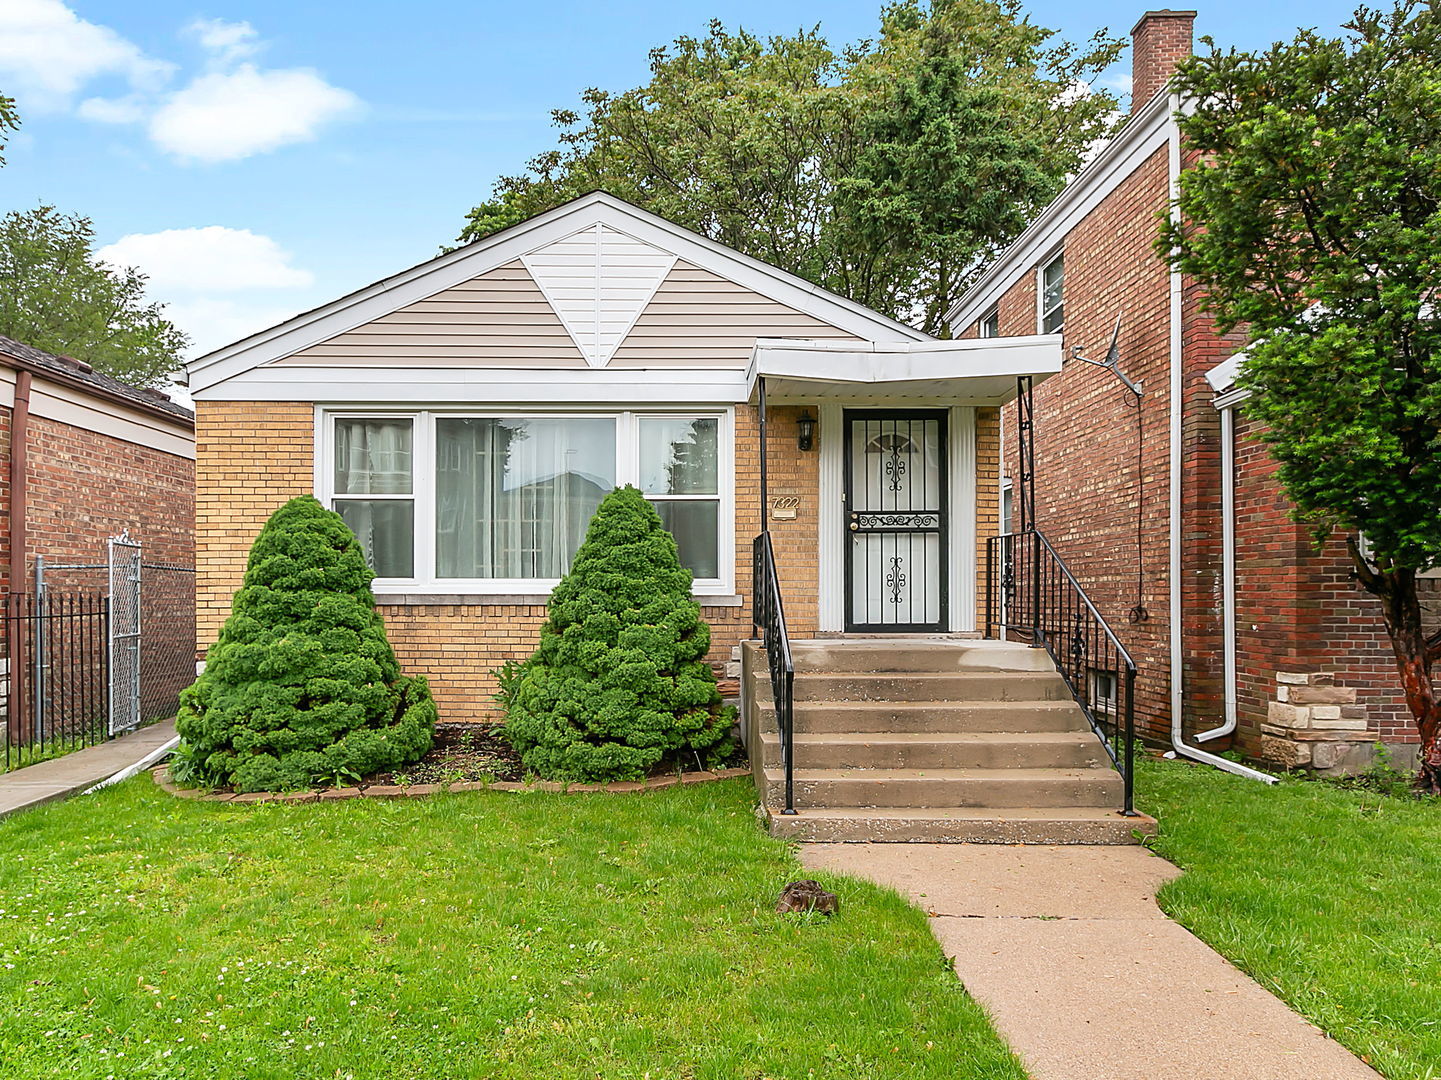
[(254, 456), (251, 457)]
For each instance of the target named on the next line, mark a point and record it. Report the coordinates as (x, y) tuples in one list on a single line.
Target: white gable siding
[(598, 280)]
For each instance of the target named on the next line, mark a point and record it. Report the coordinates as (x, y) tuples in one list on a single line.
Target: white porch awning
[(973, 371)]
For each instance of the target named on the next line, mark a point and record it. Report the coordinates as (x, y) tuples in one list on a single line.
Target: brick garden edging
[(397, 791)]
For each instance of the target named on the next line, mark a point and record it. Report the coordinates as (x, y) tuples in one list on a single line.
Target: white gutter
[(1178, 741)]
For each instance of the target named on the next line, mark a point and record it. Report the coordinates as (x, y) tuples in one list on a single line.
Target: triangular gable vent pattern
[(599, 281)]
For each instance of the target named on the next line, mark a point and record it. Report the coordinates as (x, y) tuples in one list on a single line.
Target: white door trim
[(830, 519), (962, 576)]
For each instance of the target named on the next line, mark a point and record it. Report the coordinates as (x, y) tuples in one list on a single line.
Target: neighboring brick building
[(86, 458), (1136, 496), (466, 416)]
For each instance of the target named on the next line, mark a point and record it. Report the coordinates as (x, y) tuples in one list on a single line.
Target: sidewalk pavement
[(62, 776), (1083, 974)]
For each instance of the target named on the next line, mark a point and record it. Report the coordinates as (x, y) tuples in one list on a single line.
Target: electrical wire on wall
[(1111, 363)]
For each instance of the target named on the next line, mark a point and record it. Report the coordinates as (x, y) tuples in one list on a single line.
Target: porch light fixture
[(807, 424)]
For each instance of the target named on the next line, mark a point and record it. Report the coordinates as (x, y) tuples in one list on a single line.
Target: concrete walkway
[(1083, 974), (62, 776)]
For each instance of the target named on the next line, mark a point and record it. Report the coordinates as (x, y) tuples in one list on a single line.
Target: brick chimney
[(1160, 41)]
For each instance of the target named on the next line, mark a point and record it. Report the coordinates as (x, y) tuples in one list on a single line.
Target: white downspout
[(1178, 741), (1228, 577)]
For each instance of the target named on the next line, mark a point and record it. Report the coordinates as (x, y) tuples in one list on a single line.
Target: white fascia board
[(1223, 375), (446, 271), (1143, 135), (409, 385), (876, 363)]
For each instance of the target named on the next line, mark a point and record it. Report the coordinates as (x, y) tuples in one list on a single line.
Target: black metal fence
[(58, 658), (56, 696), (1032, 596)]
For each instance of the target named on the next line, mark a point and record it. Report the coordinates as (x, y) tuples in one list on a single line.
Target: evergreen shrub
[(302, 686), (620, 677)]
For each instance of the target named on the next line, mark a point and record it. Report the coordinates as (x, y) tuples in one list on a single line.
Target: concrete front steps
[(933, 740)]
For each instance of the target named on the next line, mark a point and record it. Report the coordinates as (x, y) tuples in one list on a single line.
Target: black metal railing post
[(1045, 601), (768, 612)]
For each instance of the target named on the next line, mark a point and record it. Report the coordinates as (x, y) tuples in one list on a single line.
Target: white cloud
[(227, 41), (47, 53), (215, 321), (225, 116), (126, 110), (208, 259)]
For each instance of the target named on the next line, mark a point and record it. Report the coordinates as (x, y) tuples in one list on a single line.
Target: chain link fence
[(93, 650)]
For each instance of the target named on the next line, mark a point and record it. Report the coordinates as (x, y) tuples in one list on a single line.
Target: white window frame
[(627, 471), (1042, 311), (984, 322)]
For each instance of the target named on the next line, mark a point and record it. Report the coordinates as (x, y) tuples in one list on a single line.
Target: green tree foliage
[(9, 121), (302, 686), (56, 297), (886, 171), (620, 678), (1313, 218)]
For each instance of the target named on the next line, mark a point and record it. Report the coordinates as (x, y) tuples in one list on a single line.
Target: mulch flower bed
[(472, 757)]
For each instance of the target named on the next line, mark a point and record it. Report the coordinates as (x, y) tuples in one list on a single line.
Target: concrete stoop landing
[(933, 740)]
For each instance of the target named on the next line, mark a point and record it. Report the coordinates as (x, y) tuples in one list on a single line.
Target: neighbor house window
[(990, 324), (1052, 296), (463, 502)]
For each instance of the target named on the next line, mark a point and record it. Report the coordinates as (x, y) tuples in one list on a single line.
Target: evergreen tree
[(302, 685), (620, 677)]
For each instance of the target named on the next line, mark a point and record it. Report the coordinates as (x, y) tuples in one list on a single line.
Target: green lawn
[(1330, 898), (474, 935)]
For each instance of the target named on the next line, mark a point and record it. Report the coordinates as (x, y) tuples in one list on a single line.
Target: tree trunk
[(1395, 587)]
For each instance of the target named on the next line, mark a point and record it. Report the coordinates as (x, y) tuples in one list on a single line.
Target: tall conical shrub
[(620, 677), (302, 685)]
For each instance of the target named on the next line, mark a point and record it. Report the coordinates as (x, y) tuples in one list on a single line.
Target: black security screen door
[(896, 552)]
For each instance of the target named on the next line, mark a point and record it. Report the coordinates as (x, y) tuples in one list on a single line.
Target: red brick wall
[(84, 487), (1298, 609), (1087, 495)]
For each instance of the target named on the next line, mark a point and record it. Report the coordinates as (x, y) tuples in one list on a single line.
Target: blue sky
[(259, 158)]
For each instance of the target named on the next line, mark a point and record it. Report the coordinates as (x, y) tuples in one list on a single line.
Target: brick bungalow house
[(466, 416), (1166, 506), (86, 458)]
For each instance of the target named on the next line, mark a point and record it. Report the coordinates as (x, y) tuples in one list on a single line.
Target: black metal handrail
[(1032, 594), (768, 616)]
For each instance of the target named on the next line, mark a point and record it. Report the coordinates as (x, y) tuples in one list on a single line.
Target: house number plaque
[(785, 508)]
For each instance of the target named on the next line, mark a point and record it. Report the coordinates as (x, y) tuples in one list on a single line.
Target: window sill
[(384, 599)]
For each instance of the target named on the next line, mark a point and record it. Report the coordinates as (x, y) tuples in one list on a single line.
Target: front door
[(896, 549)]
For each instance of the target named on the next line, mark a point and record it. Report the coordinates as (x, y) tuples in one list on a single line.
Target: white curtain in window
[(514, 496), (372, 457)]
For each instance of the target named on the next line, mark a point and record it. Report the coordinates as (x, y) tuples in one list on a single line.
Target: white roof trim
[(332, 385), (506, 246), (1222, 379), (1144, 133)]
